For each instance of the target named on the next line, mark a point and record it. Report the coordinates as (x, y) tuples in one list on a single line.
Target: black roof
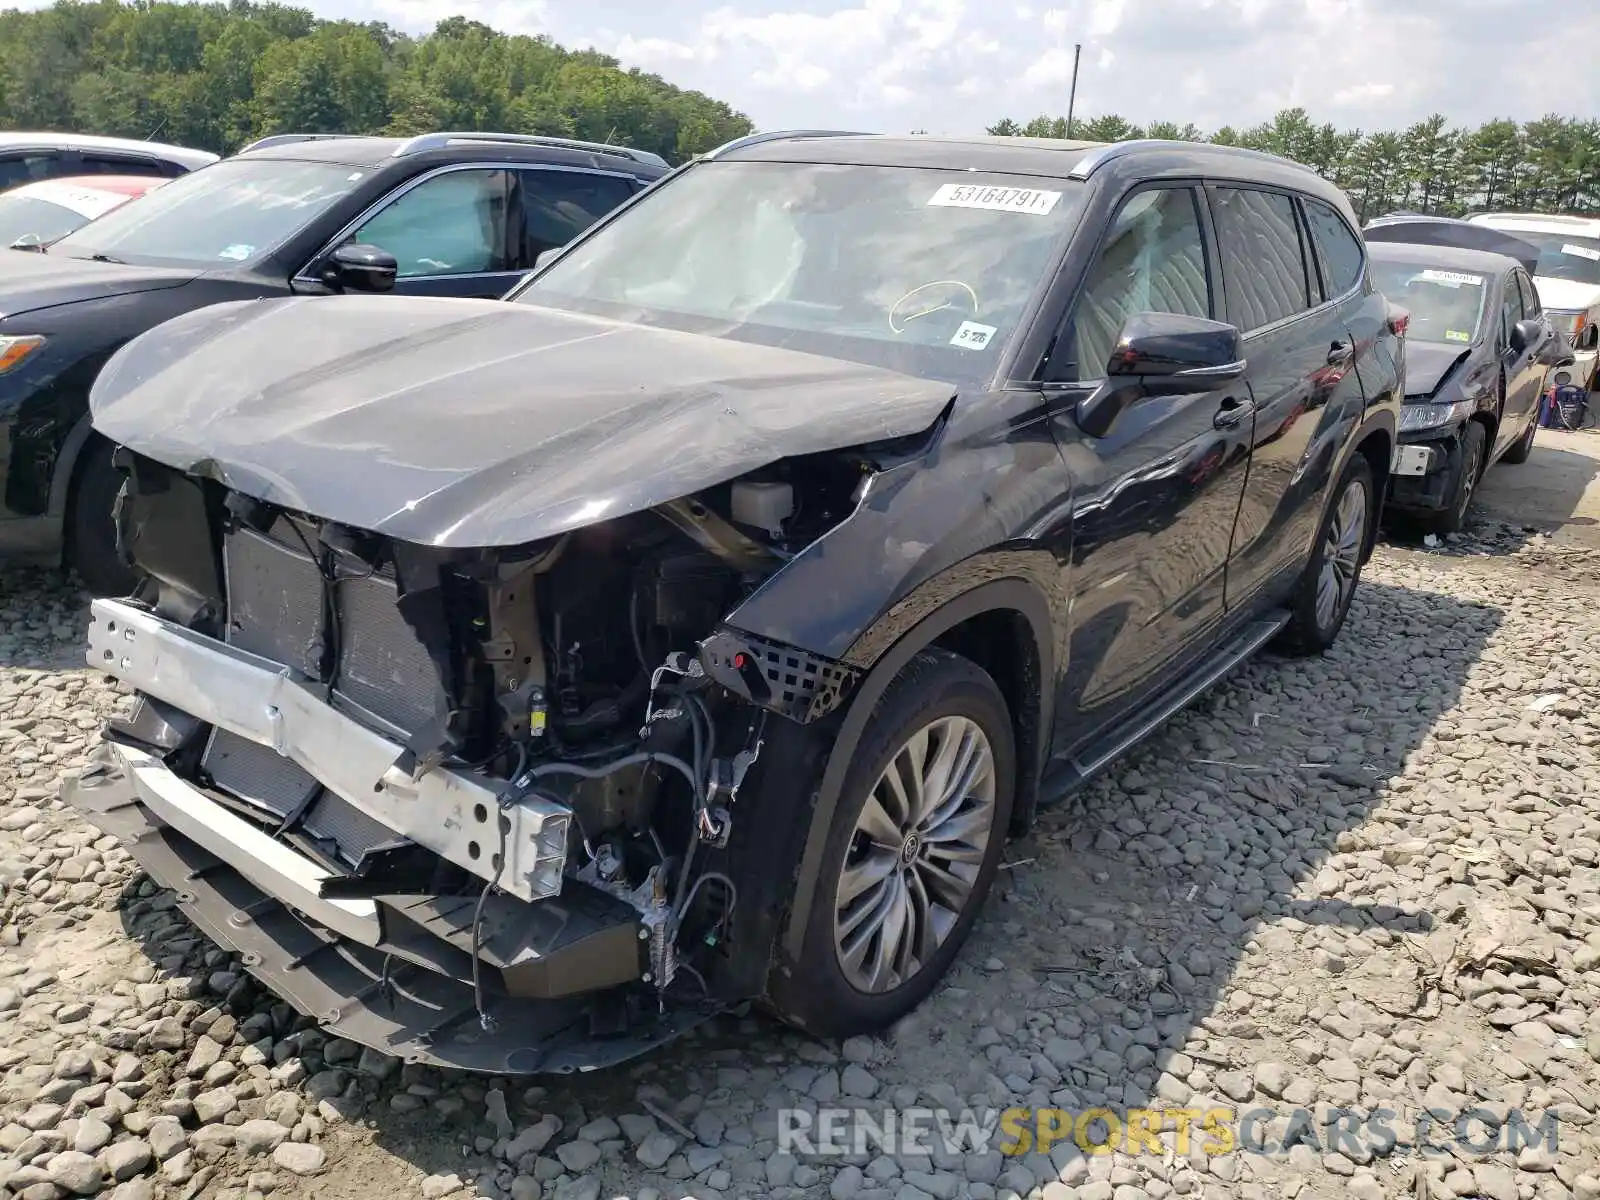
[(375, 152), (1045, 157), (1444, 258), (1016, 155), (352, 151)]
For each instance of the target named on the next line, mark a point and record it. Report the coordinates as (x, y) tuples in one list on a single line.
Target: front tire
[(1453, 517), (1519, 453), (912, 852), (91, 528), (1322, 601)]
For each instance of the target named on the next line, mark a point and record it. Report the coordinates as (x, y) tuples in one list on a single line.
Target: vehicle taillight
[(1399, 319)]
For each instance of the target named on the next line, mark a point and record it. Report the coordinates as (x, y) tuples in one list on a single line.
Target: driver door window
[(1530, 297), (452, 227), (1510, 309), (1153, 260)]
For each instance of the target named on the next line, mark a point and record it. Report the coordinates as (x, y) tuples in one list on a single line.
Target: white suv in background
[(1568, 280)]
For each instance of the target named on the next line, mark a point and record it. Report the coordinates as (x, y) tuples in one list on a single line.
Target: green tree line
[(218, 75), (1549, 165)]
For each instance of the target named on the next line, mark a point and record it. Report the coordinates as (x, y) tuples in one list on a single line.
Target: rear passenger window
[(559, 205), (1263, 263), (1154, 260), (1338, 248)]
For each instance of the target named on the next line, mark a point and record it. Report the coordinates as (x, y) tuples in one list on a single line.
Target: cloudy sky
[(957, 65)]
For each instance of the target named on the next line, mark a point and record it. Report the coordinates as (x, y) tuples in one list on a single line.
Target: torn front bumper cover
[(393, 972)]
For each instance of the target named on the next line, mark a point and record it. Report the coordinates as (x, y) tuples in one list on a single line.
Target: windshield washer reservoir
[(763, 505)]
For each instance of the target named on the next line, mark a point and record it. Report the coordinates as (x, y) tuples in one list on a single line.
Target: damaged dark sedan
[(1478, 350), (521, 683)]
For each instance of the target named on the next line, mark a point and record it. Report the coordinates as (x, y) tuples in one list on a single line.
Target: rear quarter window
[(1337, 246)]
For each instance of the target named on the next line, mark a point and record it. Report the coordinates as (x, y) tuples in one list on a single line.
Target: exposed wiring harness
[(507, 798), (696, 773)]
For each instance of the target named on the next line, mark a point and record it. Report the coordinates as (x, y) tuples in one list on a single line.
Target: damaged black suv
[(522, 682)]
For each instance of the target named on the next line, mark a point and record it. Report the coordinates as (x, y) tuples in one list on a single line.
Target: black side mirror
[(1525, 334), (1161, 354), (359, 268)]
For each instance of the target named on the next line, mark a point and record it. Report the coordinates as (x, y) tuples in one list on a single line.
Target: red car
[(36, 214)]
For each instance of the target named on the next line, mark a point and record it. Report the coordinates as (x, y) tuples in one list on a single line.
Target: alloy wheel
[(915, 854), (1341, 554)]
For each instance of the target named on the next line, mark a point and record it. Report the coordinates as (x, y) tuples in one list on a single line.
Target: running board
[(1065, 774)]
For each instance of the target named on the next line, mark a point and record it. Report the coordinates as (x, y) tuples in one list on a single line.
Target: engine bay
[(588, 674)]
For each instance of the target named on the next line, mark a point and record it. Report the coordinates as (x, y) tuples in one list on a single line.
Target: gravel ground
[(1369, 882)]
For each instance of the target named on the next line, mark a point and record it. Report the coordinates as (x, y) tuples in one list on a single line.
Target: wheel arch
[(1377, 447), (1373, 439), (65, 478), (1004, 626)]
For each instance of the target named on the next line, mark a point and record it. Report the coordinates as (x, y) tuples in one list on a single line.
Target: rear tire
[(1453, 517), (918, 876), (1519, 453), (1322, 601), (91, 529)]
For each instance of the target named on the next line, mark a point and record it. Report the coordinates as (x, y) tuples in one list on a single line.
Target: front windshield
[(227, 214), (1445, 306), (31, 221), (923, 271), (1562, 256)]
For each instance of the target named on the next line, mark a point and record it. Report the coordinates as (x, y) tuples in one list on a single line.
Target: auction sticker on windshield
[(1581, 252), (1450, 278), (972, 336), (1032, 201)]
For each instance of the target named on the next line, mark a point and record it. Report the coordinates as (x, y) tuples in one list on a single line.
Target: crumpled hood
[(1566, 295), (479, 422), (30, 280), (1427, 363)]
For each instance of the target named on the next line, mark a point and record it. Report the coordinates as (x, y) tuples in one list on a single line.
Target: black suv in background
[(444, 214), (695, 624)]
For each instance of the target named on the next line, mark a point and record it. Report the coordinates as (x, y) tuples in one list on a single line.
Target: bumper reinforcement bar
[(446, 811), (337, 962)]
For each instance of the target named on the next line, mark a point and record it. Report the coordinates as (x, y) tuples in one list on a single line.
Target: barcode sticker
[(1033, 201)]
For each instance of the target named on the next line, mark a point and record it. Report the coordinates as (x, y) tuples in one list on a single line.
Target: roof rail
[(779, 135), (438, 141), (288, 139), (1095, 159), (1554, 218)]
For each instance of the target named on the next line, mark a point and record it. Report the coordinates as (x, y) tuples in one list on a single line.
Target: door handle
[(1340, 354), (1234, 410)]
